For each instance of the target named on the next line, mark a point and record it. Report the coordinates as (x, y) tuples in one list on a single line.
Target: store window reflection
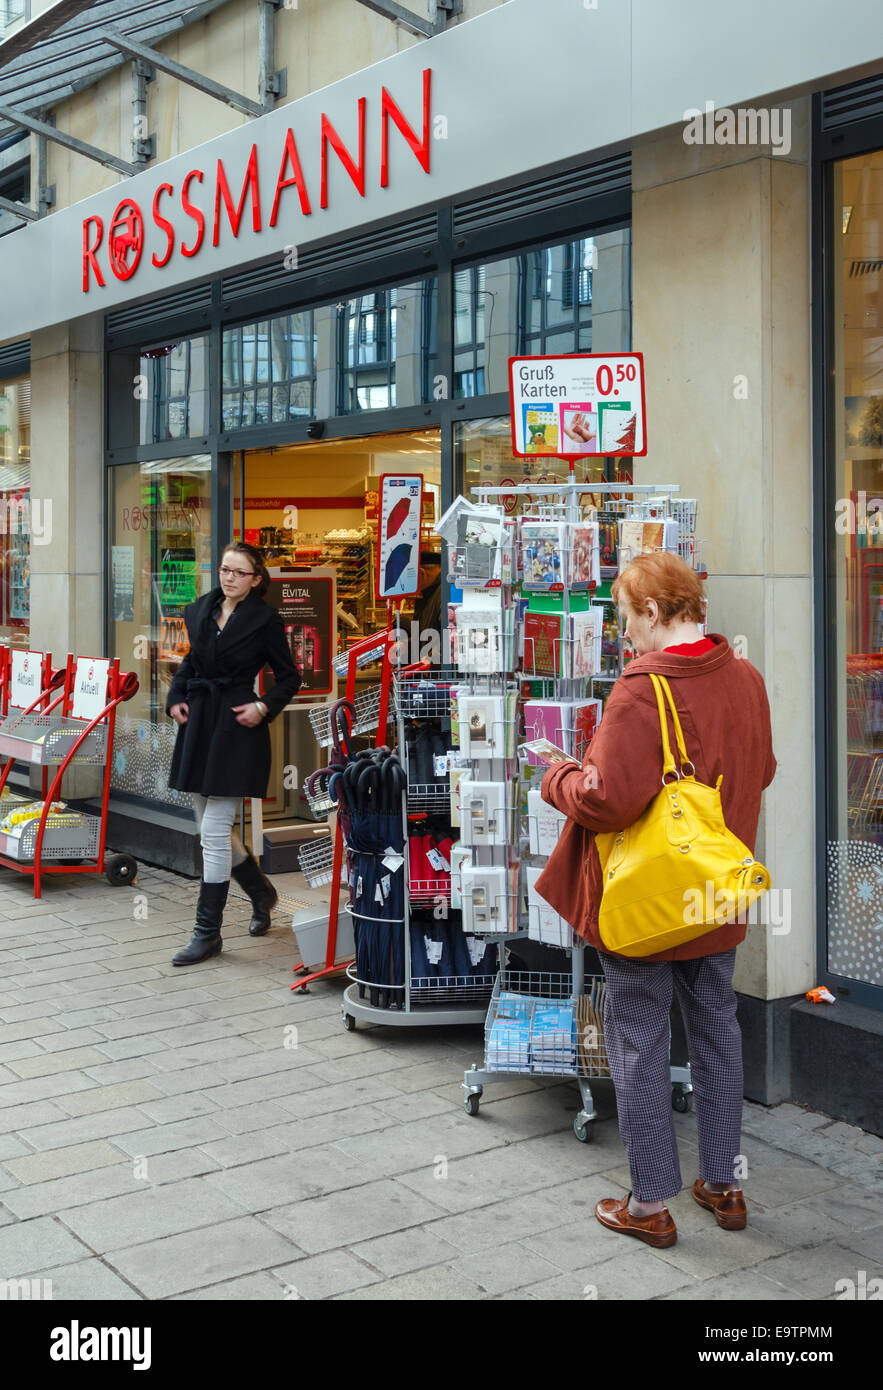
[(16, 519), (160, 560), (386, 347), (158, 392), (855, 848), (572, 296), (269, 371)]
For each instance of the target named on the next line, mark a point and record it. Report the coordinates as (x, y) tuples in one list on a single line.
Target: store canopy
[(68, 46), (55, 65)]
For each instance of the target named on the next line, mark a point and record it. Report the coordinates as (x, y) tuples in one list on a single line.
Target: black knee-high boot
[(206, 940), (251, 877)]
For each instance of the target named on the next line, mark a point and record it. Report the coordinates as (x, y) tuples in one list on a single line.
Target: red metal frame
[(367, 644), (120, 686)]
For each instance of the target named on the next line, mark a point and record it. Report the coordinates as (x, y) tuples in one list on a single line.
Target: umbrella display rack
[(49, 734), (423, 693), (323, 861), (510, 1048)]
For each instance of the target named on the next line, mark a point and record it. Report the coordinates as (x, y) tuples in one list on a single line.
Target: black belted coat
[(214, 755)]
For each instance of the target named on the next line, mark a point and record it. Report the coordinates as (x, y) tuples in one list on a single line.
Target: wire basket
[(591, 1054), (428, 892), (316, 860), (367, 707), (511, 1044), (428, 796), (319, 802), (436, 989), (426, 694), (342, 660)]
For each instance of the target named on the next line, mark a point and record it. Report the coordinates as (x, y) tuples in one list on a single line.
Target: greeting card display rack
[(47, 734), (514, 1044)]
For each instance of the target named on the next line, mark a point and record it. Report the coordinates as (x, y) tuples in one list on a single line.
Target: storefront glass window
[(269, 371), (570, 297), (855, 839), (16, 520), (386, 347), (159, 392), (160, 560)]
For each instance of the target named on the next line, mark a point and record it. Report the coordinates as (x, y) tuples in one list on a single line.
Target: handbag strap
[(660, 684)]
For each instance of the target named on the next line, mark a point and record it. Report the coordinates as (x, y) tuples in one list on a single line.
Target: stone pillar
[(722, 313), (67, 474)]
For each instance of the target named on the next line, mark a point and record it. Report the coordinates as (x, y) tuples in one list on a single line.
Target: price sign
[(173, 641), (178, 577), (577, 404)]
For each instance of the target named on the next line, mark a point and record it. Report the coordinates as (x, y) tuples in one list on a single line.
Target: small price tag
[(433, 950), (437, 861), (476, 949)]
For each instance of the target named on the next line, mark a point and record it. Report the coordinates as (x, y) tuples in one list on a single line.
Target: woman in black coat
[(222, 752)]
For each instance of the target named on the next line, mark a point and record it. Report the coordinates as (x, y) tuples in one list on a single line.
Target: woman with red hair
[(724, 712)]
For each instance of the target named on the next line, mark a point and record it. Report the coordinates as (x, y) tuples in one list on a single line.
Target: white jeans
[(221, 846)]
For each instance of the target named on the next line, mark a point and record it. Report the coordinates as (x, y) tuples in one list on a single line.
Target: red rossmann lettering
[(291, 174)]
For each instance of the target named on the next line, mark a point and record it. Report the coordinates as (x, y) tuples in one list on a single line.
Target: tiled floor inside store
[(166, 1133)]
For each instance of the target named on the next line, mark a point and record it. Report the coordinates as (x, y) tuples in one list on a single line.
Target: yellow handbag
[(678, 872)]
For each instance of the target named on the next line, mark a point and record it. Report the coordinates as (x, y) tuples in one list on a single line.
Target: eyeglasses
[(235, 574)]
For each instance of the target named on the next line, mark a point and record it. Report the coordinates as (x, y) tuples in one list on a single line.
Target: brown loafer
[(729, 1208), (658, 1230)]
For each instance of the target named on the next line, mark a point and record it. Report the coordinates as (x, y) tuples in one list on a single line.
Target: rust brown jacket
[(725, 716)]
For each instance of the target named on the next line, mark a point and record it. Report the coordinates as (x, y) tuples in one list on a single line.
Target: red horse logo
[(126, 239)]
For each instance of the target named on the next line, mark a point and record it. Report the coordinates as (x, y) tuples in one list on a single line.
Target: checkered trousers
[(637, 1036)]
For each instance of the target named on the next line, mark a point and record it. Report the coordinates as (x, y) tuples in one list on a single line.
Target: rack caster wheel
[(584, 1130), (349, 1023), (680, 1101), (471, 1103), (120, 870)]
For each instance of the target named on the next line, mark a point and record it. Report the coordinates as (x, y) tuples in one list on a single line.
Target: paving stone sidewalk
[(165, 1134)]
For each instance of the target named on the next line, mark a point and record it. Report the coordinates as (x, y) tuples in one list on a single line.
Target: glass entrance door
[(313, 508)]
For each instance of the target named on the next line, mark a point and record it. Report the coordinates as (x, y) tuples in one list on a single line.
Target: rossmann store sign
[(431, 123), (216, 196)]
